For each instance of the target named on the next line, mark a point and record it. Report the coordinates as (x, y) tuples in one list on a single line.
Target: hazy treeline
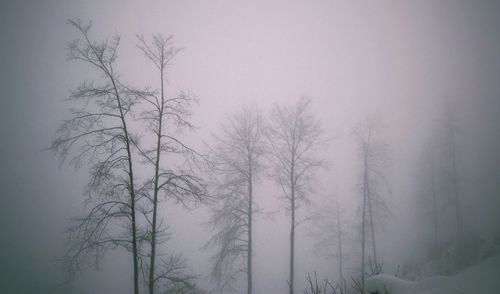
[(136, 142)]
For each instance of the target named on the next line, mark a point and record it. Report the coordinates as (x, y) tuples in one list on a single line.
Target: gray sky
[(399, 59)]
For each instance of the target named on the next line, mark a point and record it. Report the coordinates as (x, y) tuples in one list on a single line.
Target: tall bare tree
[(295, 137), (372, 154), (98, 134), (165, 118), (237, 159)]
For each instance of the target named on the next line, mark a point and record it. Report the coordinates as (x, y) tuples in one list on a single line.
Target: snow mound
[(387, 284), (382, 284), (479, 279), (437, 285)]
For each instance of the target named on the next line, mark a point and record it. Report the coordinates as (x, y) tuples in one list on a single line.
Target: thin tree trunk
[(369, 199), (372, 226), (249, 256), (363, 223), (434, 208), (131, 188), (292, 242), (292, 223), (155, 196), (455, 189), (134, 228), (435, 220), (363, 229), (339, 235)]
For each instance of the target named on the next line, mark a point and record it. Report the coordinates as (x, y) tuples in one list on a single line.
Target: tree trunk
[(292, 223), (249, 256), (339, 235), (131, 187), (458, 213), (434, 208), (363, 229), (134, 237), (372, 226), (292, 243), (132, 208), (152, 256), (435, 220), (363, 223)]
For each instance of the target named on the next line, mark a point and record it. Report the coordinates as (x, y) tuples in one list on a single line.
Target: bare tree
[(429, 195), (450, 146), (99, 133), (238, 163), (330, 233), (165, 118), (372, 154), (295, 136)]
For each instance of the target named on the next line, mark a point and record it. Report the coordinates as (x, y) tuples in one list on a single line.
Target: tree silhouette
[(237, 158), (165, 119), (98, 134), (294, 136), (372, 155)]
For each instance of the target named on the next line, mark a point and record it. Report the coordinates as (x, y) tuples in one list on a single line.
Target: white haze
[(400, 60)]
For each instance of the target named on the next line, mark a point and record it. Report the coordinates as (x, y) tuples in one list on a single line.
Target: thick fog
[(414, 65)]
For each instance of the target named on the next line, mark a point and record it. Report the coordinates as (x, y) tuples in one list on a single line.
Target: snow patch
[(482, 278), (383, 283)]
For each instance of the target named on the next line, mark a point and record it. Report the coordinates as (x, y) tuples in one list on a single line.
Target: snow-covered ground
[(479, 279)]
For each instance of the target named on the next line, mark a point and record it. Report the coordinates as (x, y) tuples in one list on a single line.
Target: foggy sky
[(399, 59)]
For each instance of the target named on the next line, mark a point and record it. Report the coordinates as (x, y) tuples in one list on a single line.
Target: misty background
[(402, 60)]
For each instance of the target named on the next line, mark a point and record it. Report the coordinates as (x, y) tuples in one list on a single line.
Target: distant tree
[(450, 146), (434, 196), (330, 232), (427, 180), (441, 181), (165, 118), (372, 155), (295, 138), (98, 134), (237, 158)]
